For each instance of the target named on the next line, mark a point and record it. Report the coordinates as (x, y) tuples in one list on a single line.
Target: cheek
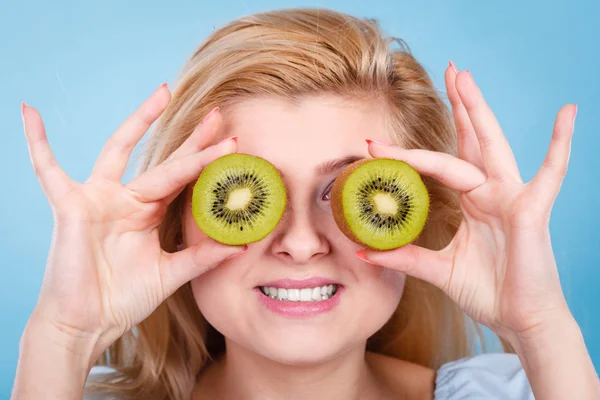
[(217, 299), (379, 291), (375, 292)]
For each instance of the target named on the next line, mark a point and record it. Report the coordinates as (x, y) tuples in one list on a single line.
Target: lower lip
[(300, 309)]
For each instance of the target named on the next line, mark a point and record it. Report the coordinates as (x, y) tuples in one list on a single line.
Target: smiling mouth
[(306, 295)]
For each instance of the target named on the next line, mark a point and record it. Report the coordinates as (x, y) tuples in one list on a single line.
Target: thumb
[(428, 265), (181, 267)]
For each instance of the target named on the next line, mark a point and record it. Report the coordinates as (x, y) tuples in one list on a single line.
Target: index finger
[(168, 179), (52, 178), (432, 266), (113, 158)]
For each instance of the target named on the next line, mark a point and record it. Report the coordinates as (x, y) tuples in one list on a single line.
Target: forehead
[(311, 131)]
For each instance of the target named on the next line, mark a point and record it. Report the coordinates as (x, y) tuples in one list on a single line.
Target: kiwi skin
[(336, 201), (338, 208)]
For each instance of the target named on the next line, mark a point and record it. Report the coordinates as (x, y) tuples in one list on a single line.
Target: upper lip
[(288, 283)]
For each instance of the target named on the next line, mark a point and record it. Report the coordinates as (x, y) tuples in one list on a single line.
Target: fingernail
[(369, 141), (362, 255), (237, 254), (23, 107), (210, 114), (575, 112), (158, 89), (235, 138), (453, 66)]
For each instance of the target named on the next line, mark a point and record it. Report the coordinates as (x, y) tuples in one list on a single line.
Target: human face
[(306, 244)]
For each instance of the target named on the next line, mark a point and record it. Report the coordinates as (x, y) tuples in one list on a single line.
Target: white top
[(484, 376)]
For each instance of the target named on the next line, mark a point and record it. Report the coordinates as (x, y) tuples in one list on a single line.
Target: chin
[(303, 347)]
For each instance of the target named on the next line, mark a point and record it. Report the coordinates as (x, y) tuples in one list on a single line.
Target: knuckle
[(485, 142), (462, 132), (143, 117), (442, 173), (172, 173), (453, 97), (560, 169), (412, 261), (117, 144)]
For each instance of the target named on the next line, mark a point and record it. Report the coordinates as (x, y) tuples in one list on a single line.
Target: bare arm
[(557, 362), (53, 364)]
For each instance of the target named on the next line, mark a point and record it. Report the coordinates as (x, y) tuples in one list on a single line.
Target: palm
[(499, 267), (491, 279), (121, 240)]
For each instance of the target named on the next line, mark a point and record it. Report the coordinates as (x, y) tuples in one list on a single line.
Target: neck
[(241, 374)]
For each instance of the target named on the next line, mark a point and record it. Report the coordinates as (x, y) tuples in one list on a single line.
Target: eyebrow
[(331, 166)]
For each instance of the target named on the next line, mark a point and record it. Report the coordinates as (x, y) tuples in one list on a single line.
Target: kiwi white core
[(239, 199), (385, 204)]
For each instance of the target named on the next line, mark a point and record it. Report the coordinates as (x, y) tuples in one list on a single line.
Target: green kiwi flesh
[(238, 199), (380, 203)]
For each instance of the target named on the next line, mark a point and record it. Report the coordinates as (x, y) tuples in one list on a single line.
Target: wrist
[(553, 330), (43, 330), (554, 353), (53, 363)]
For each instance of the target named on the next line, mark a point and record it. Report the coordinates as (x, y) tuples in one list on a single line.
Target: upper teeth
[(307, 294)]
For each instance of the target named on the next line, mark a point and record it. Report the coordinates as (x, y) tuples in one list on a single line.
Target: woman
[(183, 316)]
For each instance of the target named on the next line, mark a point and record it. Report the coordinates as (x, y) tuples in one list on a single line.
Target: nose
[(299, 239)]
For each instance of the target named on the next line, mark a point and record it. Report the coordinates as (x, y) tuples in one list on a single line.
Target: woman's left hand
[(500, 266)]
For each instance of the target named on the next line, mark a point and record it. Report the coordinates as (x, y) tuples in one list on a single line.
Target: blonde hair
[(291, 54)]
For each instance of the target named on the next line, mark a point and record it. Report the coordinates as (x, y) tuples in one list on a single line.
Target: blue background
[(86, 67)]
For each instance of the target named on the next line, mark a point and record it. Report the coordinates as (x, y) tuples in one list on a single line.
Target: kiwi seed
[(238, 199), (380, 203)]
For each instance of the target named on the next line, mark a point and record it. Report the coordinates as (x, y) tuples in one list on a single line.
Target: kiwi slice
[(380, 203), (238, 199)]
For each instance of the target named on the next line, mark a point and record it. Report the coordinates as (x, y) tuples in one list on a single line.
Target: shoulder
[(485, 376), (99, 373)]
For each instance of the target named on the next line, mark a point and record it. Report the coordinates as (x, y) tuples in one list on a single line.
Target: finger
[(53, 179), (113, 158), (168, 179), (181, 267), (497, 155), (201, 137), (428, 265), (547, 182), (453, 172), (468, 146)]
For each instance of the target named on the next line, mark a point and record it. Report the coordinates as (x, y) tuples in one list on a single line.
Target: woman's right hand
[(106, 270)]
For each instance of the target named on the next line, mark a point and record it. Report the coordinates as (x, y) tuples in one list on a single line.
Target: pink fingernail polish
[(234, 138), (210, 114), (369, 141), (237, 254), (158, 89), (361, 254), (23, 107), (453, 66), (164, 85)]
